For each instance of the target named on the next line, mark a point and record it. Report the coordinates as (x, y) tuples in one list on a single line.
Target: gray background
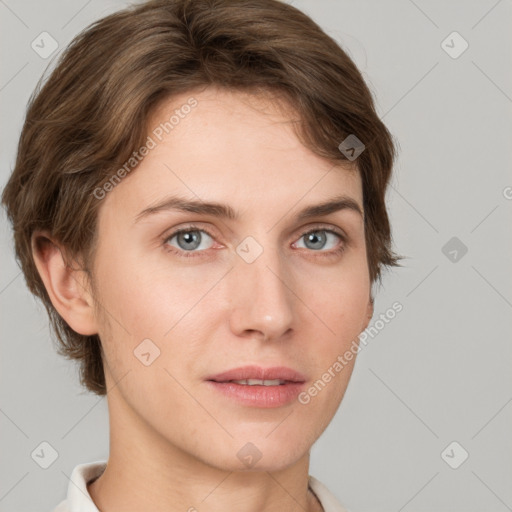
[(439, 372)]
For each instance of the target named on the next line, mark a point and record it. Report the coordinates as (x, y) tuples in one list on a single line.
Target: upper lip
[(257, 372)]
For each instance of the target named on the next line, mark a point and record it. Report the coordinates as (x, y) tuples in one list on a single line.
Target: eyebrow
[(225, 211)]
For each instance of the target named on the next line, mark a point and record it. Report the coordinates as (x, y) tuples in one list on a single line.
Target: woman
[(199, 201)]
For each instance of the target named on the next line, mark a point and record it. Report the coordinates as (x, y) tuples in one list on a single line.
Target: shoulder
[(329, 502)]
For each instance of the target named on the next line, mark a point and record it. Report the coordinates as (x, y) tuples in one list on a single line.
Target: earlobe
[(369, 313), (370, 308), (67, 287)]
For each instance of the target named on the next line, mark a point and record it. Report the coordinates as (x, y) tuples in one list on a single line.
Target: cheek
[(146, 300), (337, 299), (338, 313), (144, 296), (342, 310)]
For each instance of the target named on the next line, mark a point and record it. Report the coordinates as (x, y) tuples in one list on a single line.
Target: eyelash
[(193, 254)]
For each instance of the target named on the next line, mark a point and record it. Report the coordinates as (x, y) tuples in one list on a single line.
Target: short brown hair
[(92, 111)]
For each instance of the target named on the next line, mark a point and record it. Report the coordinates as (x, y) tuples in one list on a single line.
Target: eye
[(192, 241), (316, 240), (188, 240)]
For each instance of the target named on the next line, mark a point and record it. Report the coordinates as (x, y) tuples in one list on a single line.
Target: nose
[(262, 298)]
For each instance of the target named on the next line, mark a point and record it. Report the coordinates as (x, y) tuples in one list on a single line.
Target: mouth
[(254, 386), (258, 382), (256, 375)]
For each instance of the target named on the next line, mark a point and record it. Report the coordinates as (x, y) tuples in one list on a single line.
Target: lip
[(259, 395), (257, 372)]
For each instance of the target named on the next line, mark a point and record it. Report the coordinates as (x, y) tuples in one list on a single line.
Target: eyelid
[(326, 227), (193, 226), (199, 227)]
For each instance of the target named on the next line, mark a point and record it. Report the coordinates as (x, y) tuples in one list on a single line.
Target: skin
[(292, 306)]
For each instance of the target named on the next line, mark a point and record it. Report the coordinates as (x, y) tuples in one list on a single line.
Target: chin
[(258, 452)]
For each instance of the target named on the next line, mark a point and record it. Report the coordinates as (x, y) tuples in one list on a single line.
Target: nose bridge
[(262, 300)]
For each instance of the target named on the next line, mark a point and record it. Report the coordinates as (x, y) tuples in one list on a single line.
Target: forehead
[(231, 147)]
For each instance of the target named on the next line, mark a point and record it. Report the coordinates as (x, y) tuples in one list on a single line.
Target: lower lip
[(259, 396)]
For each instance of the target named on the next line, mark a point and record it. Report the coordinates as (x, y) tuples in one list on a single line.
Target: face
[(265, 287)]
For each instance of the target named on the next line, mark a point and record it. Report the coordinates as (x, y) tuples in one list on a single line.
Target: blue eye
[(318, 237), (189, 239)]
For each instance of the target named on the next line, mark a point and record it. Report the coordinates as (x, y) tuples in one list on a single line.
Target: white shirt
[(79, 500)]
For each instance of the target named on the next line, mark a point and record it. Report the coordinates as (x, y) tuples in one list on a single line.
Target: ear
[(67, 287), (369, 313)]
